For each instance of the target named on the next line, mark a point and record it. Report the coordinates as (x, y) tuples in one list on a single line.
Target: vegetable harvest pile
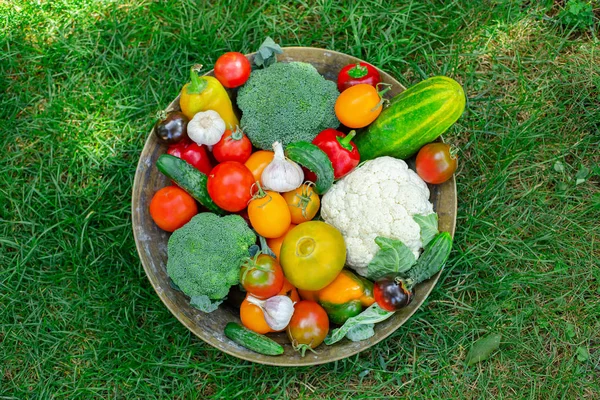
[(304, 204)]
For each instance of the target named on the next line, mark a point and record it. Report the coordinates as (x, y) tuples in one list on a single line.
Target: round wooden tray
[(151, 242)]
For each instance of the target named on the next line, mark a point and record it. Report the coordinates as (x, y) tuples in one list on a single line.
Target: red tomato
[(171, 208), (232, 69), (309, 325), (233, 146), (262, 277), (193, 154), (435, 163), (230, 185)]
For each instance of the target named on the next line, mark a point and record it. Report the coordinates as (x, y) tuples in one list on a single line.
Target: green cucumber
[(252, 340), (313, 158), (431, 261), (415, 117), (188, 178)]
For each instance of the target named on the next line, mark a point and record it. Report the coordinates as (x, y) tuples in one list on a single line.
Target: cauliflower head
[(377, 199)]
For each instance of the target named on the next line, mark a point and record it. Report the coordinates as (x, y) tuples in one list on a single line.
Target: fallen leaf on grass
[(483, 348)]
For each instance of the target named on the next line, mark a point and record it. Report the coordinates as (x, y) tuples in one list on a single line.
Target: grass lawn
[(80, 83)]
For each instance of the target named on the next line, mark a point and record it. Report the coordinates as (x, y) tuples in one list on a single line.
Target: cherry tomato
[(354, 74), (358, 106), (289, 290), (232, 69), (303, 203), (269, 215), (233, 146), (171, 208), (262, 276), (253, 317), (193, 154), (172, 128), (392, 293), (230, 185), (436, 163), (258, 161), (275, 243), (309, 325)]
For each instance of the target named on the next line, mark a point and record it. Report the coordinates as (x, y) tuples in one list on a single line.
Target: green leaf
[(265, 247), (582, 354), (267, 53), (361, 332), (252, 250), (393, 257), (429, 226), (483, 348), (371, 315), (559, 167), (582, 175), (204, 304)]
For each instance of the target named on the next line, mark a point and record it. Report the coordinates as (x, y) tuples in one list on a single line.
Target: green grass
[(80, 83)]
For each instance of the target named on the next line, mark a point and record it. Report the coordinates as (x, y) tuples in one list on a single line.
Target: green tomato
[(312, 255)]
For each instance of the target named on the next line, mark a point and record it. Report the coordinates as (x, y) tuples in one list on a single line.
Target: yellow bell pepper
[(206, 93), (343, 298)]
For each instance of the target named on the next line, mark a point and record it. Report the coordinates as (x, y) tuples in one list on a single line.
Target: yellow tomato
[(312, 255), (253, 317), (358, 106), (275, 243), (303, 203), (258, 161), (269, 215)]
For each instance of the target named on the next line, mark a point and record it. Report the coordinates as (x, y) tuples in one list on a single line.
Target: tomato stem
[(301, 348), (197, 84), (345, 141), (162, 114), (388, 87), (237, 134)]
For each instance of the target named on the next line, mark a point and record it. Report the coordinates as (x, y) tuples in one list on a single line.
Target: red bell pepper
[(341, 151), (192, 153), (353, 74)]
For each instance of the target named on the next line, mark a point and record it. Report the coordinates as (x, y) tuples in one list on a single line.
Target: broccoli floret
[(286, 102), (205, 255)]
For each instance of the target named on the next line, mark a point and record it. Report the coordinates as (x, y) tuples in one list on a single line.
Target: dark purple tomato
[(392, 293), (172, 128)]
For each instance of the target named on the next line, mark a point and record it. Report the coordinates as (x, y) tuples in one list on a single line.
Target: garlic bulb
[(281, 175), (278, 310), (206, 127)]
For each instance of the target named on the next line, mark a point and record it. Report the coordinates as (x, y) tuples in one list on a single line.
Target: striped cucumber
[(188, 178), (415, 117), (252, 340)]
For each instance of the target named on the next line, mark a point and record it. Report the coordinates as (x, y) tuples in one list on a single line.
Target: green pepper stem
[(358, 71), (197, 84), (345, 141)]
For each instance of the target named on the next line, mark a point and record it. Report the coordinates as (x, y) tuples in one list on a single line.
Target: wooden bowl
[(151, 243)]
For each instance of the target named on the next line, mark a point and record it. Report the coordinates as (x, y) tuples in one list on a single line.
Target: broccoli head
[(205, 255), (286, 102)]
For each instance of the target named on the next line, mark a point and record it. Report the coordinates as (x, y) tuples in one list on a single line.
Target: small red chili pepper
[(353, 74), (341, 151), (192, 153)]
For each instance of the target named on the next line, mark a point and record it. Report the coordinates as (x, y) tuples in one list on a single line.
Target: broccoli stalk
[(287, 102)]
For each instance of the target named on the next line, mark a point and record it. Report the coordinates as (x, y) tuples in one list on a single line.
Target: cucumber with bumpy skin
[(313, 158), (252, 340), (188, 178), (432, 260)]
